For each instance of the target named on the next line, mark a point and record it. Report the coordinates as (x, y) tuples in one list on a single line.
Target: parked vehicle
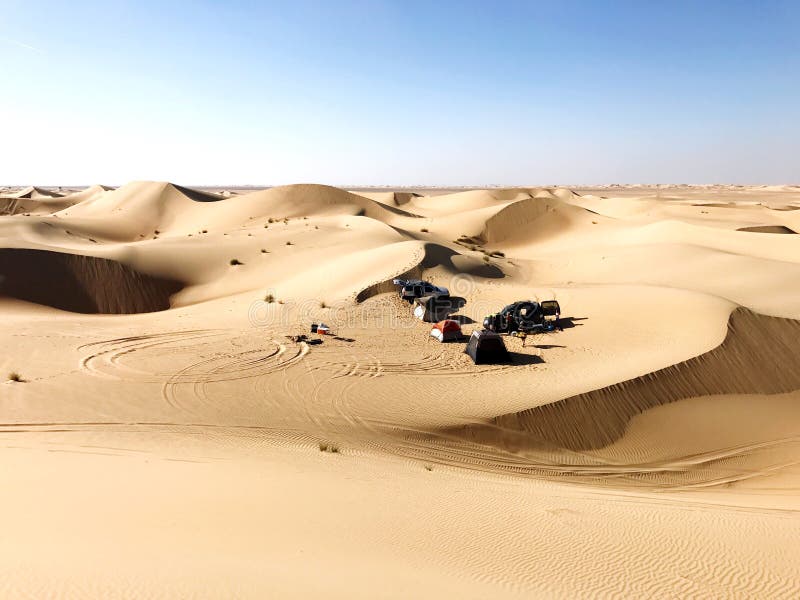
[(416, 288), (525, 316)]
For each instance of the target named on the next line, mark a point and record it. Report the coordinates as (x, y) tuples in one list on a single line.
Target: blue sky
[(400, 92)]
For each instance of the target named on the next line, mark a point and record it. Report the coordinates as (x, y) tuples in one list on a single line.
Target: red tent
[(446, 331)]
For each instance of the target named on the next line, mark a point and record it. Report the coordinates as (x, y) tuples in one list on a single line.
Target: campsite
[(226, 331), (400, 300)]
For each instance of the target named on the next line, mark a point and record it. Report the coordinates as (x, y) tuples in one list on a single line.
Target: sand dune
[(767, 229), (759, 356), (37, 201), (168, 433), (82, 284)]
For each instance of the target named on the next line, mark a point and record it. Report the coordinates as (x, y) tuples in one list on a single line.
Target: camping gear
[(487, 347), (446, 331), (323, 329), (314, 328), (520, 335), (551, 308), (433, 309), (525, 315)]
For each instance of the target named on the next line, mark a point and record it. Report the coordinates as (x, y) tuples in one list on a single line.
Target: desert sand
[(163, 436)]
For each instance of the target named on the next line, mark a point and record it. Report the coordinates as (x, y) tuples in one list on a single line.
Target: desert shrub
[(14, 376), (328, 447), (269, 298), (236, 261), (424, 230)]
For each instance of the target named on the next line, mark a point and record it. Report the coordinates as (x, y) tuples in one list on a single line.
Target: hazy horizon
[(451, 94)]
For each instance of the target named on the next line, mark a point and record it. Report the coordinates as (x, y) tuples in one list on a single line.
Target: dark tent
[(433, 309), (486, 347)]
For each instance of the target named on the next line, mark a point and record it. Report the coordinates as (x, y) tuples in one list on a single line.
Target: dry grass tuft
[(328, 447)]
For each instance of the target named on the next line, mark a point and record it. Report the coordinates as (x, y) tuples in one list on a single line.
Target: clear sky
[(400, 92)]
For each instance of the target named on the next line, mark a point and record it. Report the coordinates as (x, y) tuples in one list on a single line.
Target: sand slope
[(166, 435)]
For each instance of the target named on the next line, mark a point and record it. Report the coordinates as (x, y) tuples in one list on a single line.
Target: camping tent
[(486, 347), (446, 331), (433, 309)]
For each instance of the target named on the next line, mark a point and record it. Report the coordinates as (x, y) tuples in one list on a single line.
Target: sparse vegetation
[(236, 262), (424, 230), (270, 220), (471, 243), (486, 258), (204, 231), (328, 447), (323, 305), (14, 376), (263, 251), (269, 298), (157, 232), (289, 244), (428, 468)]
